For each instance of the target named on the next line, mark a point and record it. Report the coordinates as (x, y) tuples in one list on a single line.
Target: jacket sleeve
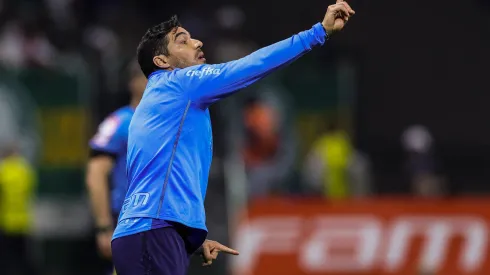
[(206, 84)]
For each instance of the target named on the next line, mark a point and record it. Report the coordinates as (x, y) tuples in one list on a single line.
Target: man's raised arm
[(205, 84)]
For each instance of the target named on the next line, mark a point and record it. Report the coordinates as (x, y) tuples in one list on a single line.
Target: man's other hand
[(211, 249), (104, 244), (337, 16)]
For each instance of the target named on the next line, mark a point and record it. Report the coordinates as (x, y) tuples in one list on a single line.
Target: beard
[(181, 63)]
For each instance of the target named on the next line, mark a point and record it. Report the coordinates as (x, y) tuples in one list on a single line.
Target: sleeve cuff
[(314, 36), (320, 33), (100, 152)]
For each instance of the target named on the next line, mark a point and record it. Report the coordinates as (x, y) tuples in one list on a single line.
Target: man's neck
[(134, 102)]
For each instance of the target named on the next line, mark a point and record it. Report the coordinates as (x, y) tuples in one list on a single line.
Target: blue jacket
[(170, 143)]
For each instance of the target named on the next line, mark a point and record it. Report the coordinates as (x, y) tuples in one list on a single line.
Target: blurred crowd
[(333, 166)]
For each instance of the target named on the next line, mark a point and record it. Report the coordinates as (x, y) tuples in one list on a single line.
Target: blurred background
[(368, 156)]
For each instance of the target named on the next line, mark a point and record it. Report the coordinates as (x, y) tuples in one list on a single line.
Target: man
[(268, 147), (422, 166), (162, 221), (334, 167), (17, 189), (106, 171)]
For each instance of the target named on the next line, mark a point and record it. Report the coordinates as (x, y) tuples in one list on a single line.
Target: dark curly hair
[(155, 42)]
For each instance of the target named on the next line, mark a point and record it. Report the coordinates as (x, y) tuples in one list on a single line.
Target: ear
[(161, 61)]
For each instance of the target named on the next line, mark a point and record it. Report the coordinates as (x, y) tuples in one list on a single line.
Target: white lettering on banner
[(268, 235), (361, 235), (356, 243), (204, 71), (438, 233)]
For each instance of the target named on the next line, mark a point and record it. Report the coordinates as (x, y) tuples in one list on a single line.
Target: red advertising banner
[(371, 237)]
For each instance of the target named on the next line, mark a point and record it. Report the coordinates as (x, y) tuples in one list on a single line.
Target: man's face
[(184, 51)]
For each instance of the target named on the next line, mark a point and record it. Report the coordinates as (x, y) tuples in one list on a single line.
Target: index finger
[(348, 7), (228, 250), (339, 1)]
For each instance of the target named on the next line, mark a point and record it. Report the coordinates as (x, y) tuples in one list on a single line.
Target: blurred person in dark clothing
[(268, 149), (421, 164), (17, 187), (334, 167), (106, 170)]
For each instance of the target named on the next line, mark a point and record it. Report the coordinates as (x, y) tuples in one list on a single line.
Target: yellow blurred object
[(17, 183), (335, 151)]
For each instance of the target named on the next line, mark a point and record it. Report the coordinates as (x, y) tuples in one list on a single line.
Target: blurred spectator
[(230, 44), (334, 167), (268, 150), (17, 185), (106, 43), (23, 46), (421, 165), (61, 13)]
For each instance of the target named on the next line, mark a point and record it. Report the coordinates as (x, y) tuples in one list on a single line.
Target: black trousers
[(14, 255)]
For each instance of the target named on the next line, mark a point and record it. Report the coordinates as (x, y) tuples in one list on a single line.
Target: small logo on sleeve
[(106, 130), (203, 72)]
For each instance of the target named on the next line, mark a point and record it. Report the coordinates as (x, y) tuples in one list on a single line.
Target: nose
[(198, 44)]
